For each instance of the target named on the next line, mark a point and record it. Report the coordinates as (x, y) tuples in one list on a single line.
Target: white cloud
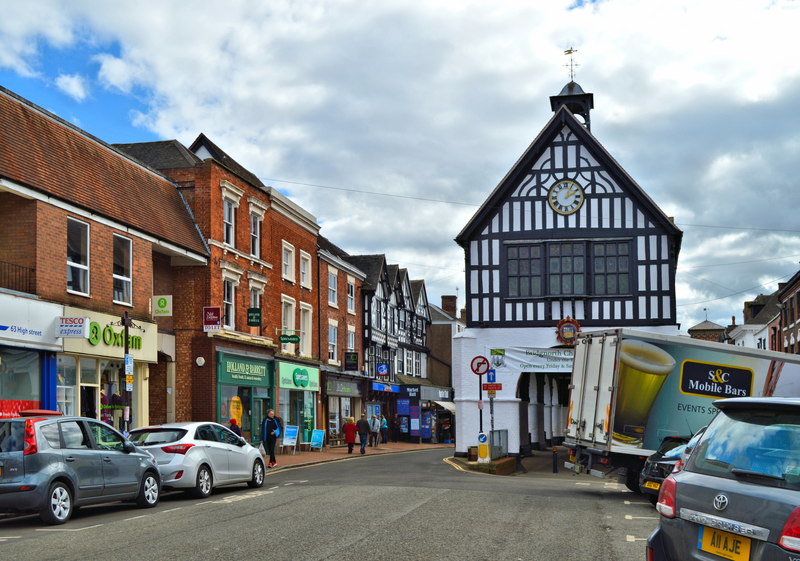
[(74, 85), (438, 99)]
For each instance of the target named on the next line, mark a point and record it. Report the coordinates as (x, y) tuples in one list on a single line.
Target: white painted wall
[(473, 342)]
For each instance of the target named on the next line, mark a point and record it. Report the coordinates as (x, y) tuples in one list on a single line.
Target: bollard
[(555, 459)]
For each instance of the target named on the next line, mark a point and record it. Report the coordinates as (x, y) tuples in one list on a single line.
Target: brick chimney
[(449, 305)]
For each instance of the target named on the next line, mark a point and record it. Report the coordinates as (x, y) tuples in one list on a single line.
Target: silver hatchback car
[(738, 496), (51, 464), (199, 456)]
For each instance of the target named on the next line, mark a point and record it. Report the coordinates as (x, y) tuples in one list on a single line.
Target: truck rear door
[(593, 381)]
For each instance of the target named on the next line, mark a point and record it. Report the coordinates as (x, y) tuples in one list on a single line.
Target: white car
[(199, 456)]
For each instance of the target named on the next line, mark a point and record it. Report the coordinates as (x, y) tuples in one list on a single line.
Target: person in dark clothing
[(363, 432), (270, 431), (235, 428)]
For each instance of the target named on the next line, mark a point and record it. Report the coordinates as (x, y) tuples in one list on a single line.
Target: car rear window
[(145, 437), (757, 445), (669, 444), (12, 436)]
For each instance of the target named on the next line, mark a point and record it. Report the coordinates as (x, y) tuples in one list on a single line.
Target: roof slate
[(43, 152)]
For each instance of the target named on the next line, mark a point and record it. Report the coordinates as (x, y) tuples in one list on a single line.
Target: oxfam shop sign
[(298, 377)]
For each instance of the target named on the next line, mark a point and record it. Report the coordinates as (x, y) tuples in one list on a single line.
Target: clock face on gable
[(565, 197)]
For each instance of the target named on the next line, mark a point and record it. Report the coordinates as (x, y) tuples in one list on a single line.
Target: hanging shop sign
[(162, 305), (298, 377), (351, 360)]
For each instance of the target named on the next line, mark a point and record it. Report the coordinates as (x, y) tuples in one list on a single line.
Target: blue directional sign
[(491, 376), (482, 438)]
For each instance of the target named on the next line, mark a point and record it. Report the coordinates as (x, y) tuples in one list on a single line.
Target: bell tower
[(573, 96)]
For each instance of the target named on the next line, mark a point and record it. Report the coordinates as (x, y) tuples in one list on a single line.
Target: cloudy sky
[(392, 121)]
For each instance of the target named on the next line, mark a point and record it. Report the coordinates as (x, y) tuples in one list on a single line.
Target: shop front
[(92, 378), (437, 414), (245, 386), (343, 401), (299, 392), (28, 346)]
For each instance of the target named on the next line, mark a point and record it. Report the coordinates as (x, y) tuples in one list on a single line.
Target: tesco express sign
[(73, 327)]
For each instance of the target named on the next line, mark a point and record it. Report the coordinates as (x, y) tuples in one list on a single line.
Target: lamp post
[(126, 322)]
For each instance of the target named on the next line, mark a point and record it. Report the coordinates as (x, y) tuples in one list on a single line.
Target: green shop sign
[(244, 371), (298, 377)]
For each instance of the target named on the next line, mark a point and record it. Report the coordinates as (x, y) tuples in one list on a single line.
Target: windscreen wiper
[(749, 472)]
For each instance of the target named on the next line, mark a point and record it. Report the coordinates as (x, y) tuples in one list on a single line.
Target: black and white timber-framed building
[(567, 234)]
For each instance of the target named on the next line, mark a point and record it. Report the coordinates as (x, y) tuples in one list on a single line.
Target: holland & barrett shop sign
[(243, 371), (298, 377)]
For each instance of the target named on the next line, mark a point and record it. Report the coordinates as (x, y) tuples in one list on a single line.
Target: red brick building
[(89, 235), (262, 276), (341, 336)]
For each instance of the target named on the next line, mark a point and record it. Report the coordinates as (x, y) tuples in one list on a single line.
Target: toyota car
[(738, 496)]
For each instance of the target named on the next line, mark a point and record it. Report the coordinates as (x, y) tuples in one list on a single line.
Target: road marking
[(67, 529), (583, 484), (171, 509), (136, 517), (6, 538), (634, 539), (636, 503), (629, 517), (453, 463)]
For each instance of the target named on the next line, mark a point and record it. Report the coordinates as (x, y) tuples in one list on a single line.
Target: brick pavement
[(304, 457)]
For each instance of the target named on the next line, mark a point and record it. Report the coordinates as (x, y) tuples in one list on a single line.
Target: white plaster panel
[(495, 252), (474, 254)]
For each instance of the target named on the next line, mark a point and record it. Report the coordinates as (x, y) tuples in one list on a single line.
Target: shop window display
[(19, 379)]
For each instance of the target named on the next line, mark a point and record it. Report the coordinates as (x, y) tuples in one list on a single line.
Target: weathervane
[(572, 64)]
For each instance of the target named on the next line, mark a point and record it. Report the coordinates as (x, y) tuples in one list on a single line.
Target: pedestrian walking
[(363, 432), (384, 430), (374, 430), (349, 429), (270, 432), (235, 427)]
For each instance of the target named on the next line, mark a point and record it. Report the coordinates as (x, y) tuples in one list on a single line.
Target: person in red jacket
[(349, 429)]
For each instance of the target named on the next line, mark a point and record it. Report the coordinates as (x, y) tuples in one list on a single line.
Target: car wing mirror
[(128, 447)]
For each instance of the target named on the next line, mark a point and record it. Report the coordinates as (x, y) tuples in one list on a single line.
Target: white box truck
[(630, 389)]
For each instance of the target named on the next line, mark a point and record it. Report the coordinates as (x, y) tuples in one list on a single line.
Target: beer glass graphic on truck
[(643, 370)]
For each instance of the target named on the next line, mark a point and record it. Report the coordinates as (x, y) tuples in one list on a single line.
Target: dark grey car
[(51, 464), (738, 497)]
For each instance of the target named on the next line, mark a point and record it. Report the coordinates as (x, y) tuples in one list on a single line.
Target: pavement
[(540, 461)]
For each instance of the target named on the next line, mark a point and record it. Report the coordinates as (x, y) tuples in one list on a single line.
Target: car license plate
[(724, 544), (652, 485)]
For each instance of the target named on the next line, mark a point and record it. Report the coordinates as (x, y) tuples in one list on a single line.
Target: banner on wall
[(530, 359)]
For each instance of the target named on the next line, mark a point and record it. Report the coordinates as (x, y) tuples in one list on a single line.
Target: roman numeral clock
[(565, 197)]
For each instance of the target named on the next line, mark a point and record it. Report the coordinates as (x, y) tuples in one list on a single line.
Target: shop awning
[(449, 405)]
